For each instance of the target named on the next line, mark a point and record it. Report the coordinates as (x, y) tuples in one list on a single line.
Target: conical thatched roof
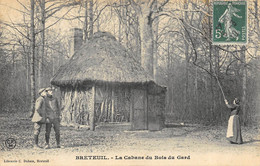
[(102, 58)]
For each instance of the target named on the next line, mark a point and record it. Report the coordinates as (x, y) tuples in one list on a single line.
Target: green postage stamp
[(229, 22)]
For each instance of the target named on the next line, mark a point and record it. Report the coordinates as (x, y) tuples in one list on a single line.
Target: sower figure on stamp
[(39, 116), (52, 118), (234, 129), (230, 31)]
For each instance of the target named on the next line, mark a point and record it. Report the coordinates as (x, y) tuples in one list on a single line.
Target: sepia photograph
[(130, 82)]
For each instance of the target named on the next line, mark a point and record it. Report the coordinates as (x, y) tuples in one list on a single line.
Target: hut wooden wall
[(143, 107), (75, 106)]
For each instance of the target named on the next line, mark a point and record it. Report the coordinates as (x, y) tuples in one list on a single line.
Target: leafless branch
[(15, 28), (15, 9), (23, 6), (56, 21)]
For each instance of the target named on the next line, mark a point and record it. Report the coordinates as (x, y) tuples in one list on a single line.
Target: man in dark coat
[(52, 118)]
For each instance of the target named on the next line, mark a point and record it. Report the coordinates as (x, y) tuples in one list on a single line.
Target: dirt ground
[(177, 144)]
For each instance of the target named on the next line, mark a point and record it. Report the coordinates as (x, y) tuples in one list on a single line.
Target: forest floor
[(202, 145)]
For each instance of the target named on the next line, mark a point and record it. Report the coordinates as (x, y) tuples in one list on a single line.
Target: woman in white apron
[(234, 128)]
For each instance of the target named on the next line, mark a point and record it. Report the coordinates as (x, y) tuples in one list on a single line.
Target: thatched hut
[(102, 82)]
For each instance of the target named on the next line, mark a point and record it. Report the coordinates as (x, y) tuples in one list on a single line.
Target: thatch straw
[(102, 58)]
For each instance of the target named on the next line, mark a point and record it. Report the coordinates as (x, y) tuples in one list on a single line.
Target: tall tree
[(42, 29), (91, 19), (212, 101), (186, 50), (85, 28), (32, 52), (155, 46), (256, 18), (244, 82), (145, 10)]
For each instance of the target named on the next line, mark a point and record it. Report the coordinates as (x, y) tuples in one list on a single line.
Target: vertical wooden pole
[(145, 109), (92, 109), (132, 109), (113, 105)]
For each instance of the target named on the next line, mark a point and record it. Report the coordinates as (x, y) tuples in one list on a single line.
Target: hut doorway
[(139, 110), (155, 114)]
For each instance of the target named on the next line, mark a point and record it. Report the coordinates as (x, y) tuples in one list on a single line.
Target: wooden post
[(145, 109), (132, 109), (92, 109), (112, 105)]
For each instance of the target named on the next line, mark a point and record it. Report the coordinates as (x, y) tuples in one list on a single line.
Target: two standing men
[(47, 111)]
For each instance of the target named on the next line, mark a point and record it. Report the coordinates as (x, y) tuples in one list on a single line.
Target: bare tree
[(85, 28), (91, 17), (145, 11), (42, 51), (244, 84), (32, 52)]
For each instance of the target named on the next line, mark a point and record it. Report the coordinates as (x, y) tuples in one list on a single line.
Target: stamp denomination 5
[(229, 22)]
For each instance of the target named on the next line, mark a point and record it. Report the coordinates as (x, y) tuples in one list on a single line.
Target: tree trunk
[(13, 60), (257, 25), (218, 93), (32, 43), (257, 18), (119, 22), (91, 23), (169, 82), (258, 58), (13, 75), (212, 100), (146, 34), (40, 71), (155, 47), (244, 80), (27, 66), (85, 28), (186, 100), (196, 93)]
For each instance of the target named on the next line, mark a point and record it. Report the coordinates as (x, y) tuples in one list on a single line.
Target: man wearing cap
[(39, 116), (52, 118)]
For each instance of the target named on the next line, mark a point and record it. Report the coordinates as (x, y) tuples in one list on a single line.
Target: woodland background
[(170, 38)]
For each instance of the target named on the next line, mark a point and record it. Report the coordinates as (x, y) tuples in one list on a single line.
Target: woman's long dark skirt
[(237, 136)]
